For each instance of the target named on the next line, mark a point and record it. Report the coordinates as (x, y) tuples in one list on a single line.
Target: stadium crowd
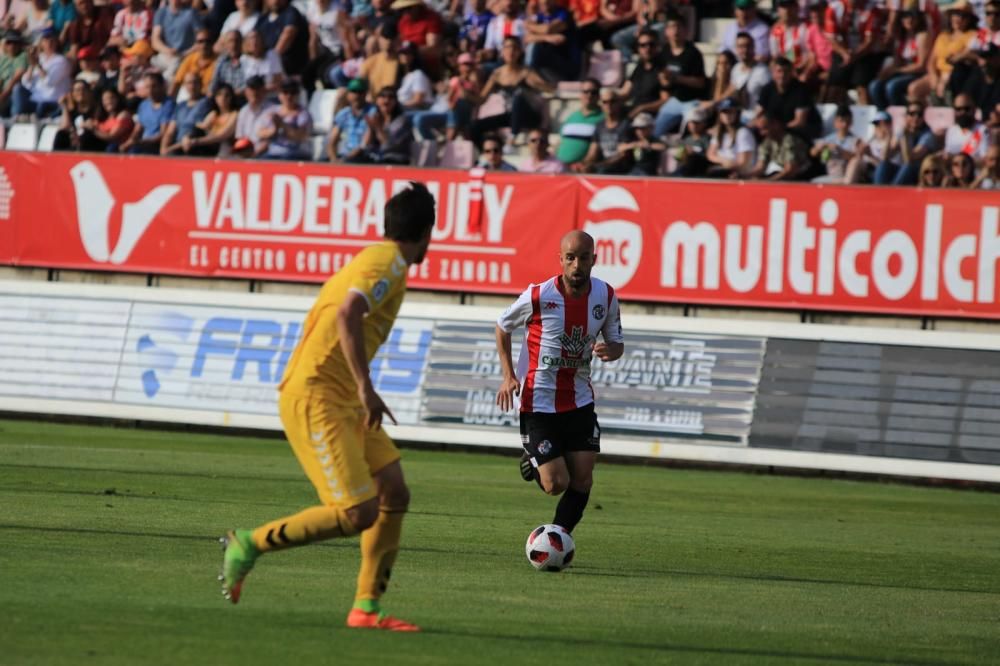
[(848, 91)]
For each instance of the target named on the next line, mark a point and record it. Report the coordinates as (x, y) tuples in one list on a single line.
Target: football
[(550, 548)]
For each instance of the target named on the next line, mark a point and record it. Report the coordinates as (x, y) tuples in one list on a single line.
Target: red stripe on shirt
[(574, 316), (534, 348), (607, 321)]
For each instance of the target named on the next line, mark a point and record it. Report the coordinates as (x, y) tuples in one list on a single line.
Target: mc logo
[(618, 243), (94, 204)]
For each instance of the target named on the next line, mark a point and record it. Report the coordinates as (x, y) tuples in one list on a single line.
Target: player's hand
[(601, 351), (374, 408), (509, 388)]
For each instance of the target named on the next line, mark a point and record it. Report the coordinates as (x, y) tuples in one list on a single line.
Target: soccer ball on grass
[(550, 548)]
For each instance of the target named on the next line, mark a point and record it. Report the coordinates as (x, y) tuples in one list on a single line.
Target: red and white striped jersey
[(554, 363), (791, 42)]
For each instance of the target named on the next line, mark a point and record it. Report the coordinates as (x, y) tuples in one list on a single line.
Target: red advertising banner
[(276, 221), (863, 249), (7, 193)]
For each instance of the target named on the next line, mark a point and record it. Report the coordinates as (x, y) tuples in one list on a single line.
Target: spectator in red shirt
[(585, 16), (91, 27), (418, 23), (422, 26), (597, 20)]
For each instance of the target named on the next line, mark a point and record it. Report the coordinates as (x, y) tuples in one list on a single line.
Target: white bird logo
[(94, 202)]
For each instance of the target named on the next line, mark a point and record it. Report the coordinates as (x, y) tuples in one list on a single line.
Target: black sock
[(569, 511)]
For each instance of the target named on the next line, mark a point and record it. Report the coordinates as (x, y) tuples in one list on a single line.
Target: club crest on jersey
[(575, 343), (544, 447), (598, 312), (380, 289)]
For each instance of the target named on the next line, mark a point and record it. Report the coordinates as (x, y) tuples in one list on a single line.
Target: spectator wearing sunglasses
[(540, 159), (967, 135), (603, 155), (201, 62), (641, 92), (492, 155), (578, 129), (907, 150)]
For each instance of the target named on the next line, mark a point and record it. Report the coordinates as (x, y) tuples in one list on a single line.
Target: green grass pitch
[(108, 555)]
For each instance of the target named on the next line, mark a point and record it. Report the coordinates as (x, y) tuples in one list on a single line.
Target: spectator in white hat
[(646, 152)]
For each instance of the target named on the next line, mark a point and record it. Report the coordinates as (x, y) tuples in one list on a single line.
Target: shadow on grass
[(287, 478), (210, 539), (576, 570), (646, 573), (665, 647)]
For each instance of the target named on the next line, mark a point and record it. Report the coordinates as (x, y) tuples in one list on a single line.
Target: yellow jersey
[(378, 273)]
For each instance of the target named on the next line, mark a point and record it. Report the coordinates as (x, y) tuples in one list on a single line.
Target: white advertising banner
[(686, 389)]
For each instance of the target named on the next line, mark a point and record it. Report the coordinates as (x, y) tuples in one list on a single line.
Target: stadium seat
[(22, 136), (322, 107), (517, 160), (318, 147), (710, 57), (606, 67), (712, 30), (826, 113), (458, 154), (568, 89), (939, 118), (424, 153), (47, 139), (861, 123)]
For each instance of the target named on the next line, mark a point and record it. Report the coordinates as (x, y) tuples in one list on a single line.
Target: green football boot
[(238, 557)]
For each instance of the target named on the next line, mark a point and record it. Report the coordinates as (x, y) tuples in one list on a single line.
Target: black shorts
[(548, 436)]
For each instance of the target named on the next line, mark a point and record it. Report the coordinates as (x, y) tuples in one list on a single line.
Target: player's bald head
[(576, 242), (576, 256)]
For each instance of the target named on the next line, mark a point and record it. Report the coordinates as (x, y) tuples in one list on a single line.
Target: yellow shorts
[(337, 452)]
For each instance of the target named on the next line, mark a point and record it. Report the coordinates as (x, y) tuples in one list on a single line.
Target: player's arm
[(510, 386), (513, 318), (350, 318), (612, 346)]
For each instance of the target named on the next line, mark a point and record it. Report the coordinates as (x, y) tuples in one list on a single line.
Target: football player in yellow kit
[(333, 416)]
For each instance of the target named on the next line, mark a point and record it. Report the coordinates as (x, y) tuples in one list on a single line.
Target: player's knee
[(582, 485), (363, 516), (396, 496), (554, 486)]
